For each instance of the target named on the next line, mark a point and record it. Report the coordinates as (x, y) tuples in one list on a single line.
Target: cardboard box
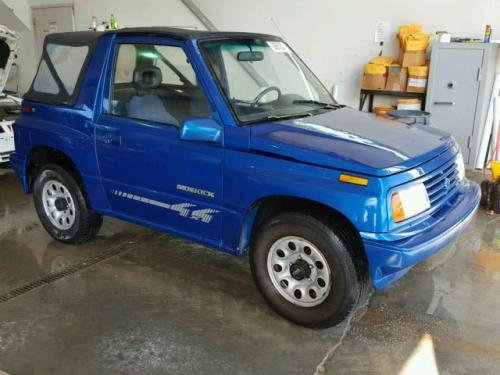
[(412, 58), (409, 104), (396, 78), (417, 79), (416, 84), (373, 81)]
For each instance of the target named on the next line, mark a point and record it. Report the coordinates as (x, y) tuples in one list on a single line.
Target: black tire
[(86, 223), (348, 285), (496, 197)]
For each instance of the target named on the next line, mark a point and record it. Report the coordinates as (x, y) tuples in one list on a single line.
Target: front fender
[(251, 177)]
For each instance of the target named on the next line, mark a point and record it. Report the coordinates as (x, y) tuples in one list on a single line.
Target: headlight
[(409, 201), (460, 166)]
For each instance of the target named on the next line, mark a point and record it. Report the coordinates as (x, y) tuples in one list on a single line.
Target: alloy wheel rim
[(58, 205), (299, 271)]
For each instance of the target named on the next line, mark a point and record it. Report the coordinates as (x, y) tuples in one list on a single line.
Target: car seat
[(144, 105)]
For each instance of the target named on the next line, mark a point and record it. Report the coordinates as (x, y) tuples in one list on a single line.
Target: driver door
[(148, 173)]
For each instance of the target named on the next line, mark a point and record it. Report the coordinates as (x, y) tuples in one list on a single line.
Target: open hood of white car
[(8, 46)]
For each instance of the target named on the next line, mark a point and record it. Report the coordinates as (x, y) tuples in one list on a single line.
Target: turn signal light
[(398, 213), (353, 180)]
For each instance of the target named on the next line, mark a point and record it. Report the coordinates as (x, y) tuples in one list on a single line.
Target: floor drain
[(109, 253)]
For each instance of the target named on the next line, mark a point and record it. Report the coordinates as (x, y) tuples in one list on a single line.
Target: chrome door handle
[(444, 103)]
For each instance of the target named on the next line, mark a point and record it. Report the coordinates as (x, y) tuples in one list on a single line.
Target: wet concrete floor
[(162, 305)]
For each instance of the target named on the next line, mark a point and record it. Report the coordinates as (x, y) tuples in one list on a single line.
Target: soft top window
[(61, 71)]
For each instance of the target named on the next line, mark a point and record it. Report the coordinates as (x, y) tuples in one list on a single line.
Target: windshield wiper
[(281, 117), (325, 105)]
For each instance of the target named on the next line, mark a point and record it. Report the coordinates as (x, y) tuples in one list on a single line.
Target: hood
[(351, 140), (8, 45)]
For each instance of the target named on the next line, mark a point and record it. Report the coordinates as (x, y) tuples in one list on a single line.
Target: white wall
[(335, 37), (135, 13), (127, 12), (15, 14)]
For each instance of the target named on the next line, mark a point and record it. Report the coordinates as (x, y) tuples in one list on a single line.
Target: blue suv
[(228, 139)]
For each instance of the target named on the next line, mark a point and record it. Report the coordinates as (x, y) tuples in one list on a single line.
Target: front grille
[(442, 183)]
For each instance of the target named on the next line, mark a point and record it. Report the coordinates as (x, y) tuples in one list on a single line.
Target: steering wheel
[(265, 92)]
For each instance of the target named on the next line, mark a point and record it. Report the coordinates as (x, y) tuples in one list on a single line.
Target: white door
[(51, 20)]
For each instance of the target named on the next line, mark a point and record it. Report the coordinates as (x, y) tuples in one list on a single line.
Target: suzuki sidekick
[(229, 140)]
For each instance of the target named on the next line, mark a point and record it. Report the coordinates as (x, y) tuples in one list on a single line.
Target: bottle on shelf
[(112, 22), (487, 34)]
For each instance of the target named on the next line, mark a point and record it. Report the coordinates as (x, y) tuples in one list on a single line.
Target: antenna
[(277, 28)]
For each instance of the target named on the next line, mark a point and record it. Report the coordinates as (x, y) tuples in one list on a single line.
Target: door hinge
[(469, 142), (34, 21), (478, 78)]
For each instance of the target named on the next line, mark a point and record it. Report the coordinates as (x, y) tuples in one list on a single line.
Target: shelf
[(364, 94)]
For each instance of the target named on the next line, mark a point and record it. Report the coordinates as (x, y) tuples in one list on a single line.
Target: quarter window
[(67, 62), (156, 83)]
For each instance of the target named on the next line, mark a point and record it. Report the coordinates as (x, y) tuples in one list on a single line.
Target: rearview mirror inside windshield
[(250, 56)]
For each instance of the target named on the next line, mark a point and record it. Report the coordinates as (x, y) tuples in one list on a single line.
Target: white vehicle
[(8, 45)]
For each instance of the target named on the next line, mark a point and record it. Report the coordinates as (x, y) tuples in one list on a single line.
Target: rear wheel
[(62, 207), (305, 270)]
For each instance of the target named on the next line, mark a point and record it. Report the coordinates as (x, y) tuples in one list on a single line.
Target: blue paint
[(201, 130), (241, 165)]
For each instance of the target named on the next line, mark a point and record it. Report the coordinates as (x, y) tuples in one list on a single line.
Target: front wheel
[(62, 207), (305, 271)]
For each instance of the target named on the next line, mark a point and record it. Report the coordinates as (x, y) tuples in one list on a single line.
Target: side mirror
[(201, 130)]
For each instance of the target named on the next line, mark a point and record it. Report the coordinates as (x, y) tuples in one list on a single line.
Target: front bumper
[(390, 260)]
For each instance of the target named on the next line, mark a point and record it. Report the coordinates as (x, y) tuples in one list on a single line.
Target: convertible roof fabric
[(87, 37)]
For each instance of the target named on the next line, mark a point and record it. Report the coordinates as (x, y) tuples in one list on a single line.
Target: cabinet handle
[(444, 103)]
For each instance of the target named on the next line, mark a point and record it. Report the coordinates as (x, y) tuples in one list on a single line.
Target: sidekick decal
[(205, 215)]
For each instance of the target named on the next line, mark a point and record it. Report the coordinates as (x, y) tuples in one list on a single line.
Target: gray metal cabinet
[(460, 83)]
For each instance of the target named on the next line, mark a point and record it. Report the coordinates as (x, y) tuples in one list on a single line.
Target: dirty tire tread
[(348, 287), (87, 223)]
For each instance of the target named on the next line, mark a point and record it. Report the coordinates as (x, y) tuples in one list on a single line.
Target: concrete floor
[(157, 305)]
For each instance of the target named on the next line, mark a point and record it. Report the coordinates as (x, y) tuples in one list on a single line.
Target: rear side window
[(59, 74)]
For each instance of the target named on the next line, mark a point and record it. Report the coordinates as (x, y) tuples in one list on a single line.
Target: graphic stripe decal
[(204, 215)]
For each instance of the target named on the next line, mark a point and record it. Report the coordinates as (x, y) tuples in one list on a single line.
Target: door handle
[(111, 139), (107, 135), (444, 103)]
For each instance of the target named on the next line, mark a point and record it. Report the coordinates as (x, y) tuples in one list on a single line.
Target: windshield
[(264, 80)]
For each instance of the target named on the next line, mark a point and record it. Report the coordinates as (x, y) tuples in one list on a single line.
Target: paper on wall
[(278, 46)]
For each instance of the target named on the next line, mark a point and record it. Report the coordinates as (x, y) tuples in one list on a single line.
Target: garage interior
[(136, 300)]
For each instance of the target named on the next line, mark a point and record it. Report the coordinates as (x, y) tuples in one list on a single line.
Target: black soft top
[(91, 37)]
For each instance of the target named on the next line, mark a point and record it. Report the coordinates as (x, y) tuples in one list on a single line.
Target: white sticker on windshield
[(278, 47)]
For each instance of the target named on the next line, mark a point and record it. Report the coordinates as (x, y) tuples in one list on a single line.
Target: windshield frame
[(229, 102)]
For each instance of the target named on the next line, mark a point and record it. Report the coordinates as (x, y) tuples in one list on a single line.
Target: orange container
[(495, 170)]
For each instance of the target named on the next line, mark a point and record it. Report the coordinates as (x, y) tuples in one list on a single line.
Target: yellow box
[(417, 79), (383, 60), (409, 104), (375, 69), (374, 77), (495, 170)]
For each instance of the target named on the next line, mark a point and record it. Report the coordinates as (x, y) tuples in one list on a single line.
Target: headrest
[(148, 78)]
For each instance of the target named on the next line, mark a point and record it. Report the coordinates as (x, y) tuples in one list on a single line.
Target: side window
[(125, 64), (67, 63), (178, 58), (156, 83)]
